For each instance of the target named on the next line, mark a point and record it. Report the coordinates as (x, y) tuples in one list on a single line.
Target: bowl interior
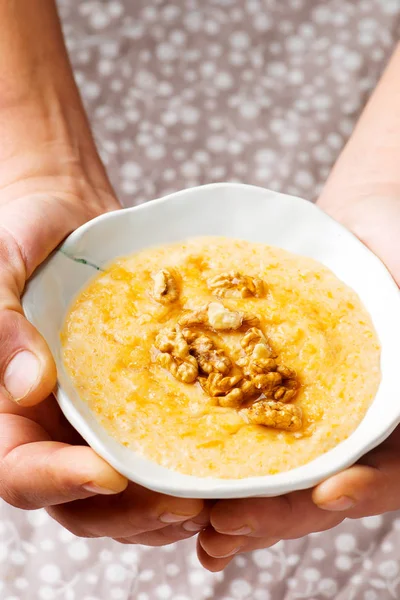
[(237, 211)]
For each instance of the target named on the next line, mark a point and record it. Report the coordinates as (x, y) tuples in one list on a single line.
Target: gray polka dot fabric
[(185, 92)]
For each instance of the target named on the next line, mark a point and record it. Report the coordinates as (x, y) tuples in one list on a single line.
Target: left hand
[(43, 462), (368, 488)]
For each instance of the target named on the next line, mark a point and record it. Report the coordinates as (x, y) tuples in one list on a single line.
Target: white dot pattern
[(163, 81)]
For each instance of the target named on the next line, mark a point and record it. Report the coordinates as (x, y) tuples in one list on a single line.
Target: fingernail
[(242, 531), (96, 489), (21, 374), (171, 518), (342, 503), (231, 553), (192, 526)]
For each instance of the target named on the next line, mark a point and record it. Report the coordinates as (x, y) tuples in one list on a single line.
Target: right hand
[(43, 461), (370, 487)]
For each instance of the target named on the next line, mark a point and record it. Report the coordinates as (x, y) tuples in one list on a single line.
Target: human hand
[(43, 462), (52, 181), (370, 487), (362, 192)]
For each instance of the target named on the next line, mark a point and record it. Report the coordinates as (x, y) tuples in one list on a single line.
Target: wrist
[(368, 167), (48, 127), (48, 148), (46, 143), (341, 197)]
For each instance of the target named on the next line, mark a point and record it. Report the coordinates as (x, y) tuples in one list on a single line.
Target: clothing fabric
[(185, 92)]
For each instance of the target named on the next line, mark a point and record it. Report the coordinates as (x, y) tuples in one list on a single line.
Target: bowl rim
[(264, 485)]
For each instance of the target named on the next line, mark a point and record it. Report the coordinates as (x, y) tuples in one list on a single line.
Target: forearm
[(41, 115), (369, 166)]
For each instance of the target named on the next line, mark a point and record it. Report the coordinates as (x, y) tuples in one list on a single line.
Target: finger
[(283, 517), (365, 489), (136, 511), (27, 369), (31, 227), (48, 415), (161, 537), (218, 545), (214, 565), (200, 522), (218, 564), (36, 472)]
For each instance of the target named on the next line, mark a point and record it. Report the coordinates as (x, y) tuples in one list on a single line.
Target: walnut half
[(231, 391), (165, 288), (277, 382), (253, 338), (175, 357), (209, 357), (244, 390), (219, 385), (275, 414), (235, 284)]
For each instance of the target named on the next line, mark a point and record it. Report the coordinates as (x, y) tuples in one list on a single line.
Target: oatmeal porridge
[(219, 357)]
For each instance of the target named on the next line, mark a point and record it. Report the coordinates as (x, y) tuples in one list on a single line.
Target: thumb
[(28, 372), (31, 227), (369, 488)]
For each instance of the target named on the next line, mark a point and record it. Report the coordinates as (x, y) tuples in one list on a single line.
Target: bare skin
[(52, 181)]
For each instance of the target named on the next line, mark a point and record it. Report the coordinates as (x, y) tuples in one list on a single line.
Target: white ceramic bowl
[(237, 211)]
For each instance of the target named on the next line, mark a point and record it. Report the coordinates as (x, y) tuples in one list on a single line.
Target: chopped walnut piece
[(231, 391), (233, 399), (214, 360), (286, 372), (275, 414), (277, 382), (267, 382), (191, 318), (253, 337), (260, 361), (214, 316), (250, 320), (247, 388), (244, 390), (223, 319), (174, 355), (209, 358), (259, 354), (286, 391), (290, 384), (190, 335), (165, 289), (218, 384), (235, 284), (172, 342), (260, 287), (185, 371)]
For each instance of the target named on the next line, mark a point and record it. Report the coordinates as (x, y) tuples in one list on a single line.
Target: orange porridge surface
[(312, 322)]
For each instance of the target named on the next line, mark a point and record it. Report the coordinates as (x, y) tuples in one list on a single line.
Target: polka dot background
[(180, 93)]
